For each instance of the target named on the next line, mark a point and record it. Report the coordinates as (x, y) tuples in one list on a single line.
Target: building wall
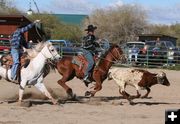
[(8, 24)]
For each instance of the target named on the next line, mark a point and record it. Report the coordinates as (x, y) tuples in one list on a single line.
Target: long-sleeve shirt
[(18, 39), (88, 41)]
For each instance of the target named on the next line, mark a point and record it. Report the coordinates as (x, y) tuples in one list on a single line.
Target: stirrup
[(86, 81), (15, 81)]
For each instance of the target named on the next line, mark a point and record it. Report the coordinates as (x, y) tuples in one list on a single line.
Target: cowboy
[(89, 48), (17, 42)]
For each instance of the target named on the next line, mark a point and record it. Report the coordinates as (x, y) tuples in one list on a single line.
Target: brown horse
[(68, 70)]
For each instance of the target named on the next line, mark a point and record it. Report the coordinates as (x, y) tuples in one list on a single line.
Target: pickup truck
[(65, 47), (4, 45)]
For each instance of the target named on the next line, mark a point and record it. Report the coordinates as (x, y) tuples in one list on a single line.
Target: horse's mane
[(112, 47), (107, 52), (40, 46), (33, 53), (36, 49), (48, 67)]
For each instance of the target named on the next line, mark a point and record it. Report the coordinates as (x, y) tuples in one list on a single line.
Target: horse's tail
[(1, 60), (1, 56)]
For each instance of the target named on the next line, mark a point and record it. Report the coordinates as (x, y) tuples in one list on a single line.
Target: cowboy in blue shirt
[(17, 42), (89, 46)]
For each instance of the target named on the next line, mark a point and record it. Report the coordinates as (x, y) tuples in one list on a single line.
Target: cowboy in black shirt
[(89, 45)]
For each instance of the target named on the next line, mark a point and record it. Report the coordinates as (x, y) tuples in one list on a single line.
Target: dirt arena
[(108, 107)]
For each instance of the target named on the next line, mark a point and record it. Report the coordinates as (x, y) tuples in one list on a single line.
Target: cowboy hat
[(91, 28)]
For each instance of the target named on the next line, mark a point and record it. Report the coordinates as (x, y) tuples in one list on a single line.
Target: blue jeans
[(16, 56), (90, 60)]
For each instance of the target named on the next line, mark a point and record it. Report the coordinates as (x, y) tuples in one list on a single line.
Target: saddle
[(7, 61), (81, 61)]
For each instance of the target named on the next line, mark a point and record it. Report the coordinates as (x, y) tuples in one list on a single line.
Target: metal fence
[(141, 60), (150, 59)]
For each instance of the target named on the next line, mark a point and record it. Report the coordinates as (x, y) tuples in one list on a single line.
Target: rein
[(116, 60)]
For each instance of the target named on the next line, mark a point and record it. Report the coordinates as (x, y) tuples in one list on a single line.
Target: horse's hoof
[(143, 97), (55, 102), (72, 97), (146, 97), (87, 93), (133, 97), (24, 103), (131, 103)]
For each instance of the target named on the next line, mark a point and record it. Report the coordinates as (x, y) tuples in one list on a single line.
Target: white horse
[(33, 73)]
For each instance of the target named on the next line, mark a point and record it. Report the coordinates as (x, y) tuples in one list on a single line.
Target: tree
[(119, 24), (53, 27), (6, 8), (56, 28)]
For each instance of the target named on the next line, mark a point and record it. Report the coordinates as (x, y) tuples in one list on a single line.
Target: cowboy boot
[(86, 81)]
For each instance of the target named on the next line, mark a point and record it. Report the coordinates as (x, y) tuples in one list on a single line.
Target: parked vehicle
[(4, 45), (65, 47), (132, 49), (157, 54)]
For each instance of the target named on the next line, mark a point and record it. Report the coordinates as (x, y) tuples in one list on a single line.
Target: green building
[(71, 18)]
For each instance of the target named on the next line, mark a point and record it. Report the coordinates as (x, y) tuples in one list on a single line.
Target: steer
[(138, 78)]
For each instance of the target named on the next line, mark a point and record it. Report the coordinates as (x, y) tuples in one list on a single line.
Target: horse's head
[(49, 51), (117, 53)]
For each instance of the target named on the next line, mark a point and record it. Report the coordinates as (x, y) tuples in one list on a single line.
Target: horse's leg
[(148, 91), (21, 90), (68, 90), (98, 87), (40, 85)]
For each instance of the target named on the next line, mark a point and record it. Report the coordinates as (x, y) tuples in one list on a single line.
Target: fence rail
[(149, 59), (141, 60)]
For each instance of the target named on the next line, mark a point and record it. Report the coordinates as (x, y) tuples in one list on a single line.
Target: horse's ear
[(24, 49), (49, 43)]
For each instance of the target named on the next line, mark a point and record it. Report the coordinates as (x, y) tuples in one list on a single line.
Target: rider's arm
[(26, 28), (96, 44)]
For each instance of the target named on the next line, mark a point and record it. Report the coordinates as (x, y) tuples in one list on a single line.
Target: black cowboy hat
[(91, 28)]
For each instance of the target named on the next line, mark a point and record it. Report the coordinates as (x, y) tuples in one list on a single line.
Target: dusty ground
[(107, 107)]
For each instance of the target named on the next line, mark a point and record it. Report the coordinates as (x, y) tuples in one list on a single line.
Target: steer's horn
[(161, 74)]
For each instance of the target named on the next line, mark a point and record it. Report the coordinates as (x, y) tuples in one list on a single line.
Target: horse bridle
[(53, 56), (117, 59)]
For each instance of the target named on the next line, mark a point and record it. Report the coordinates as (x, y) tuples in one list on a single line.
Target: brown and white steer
[(138, 78)]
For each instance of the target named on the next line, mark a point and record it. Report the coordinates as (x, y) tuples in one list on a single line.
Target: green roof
[(71, 18)]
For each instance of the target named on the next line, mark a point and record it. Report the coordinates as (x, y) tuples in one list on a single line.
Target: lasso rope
[(38, 33)]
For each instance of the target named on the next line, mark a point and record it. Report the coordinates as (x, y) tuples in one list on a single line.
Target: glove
[(36, 21)]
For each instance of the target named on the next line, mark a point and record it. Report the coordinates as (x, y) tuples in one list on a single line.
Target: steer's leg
[(122, 86), (125, 95), (137, 90), (148, 91)]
